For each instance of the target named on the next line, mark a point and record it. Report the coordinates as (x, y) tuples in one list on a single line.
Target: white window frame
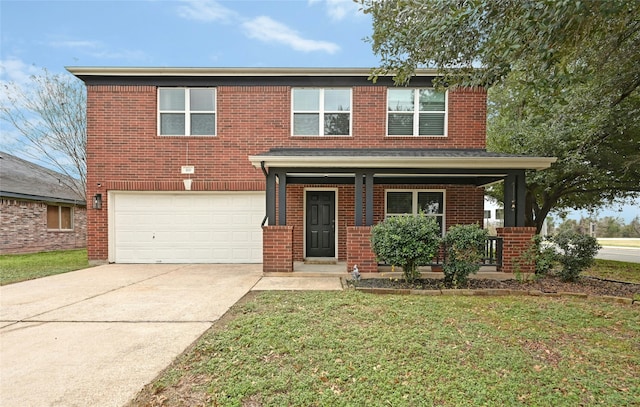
[(321, 112), (187, 112), (416, 114), (60, 228), (414, 204)]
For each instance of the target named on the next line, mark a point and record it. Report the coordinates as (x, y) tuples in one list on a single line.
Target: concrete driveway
[(95, 337)]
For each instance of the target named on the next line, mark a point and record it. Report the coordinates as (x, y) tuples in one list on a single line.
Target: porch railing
[(492, 253)]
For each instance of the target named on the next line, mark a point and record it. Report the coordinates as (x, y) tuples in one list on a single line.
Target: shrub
[(542, 254), (406, 241), (464, 247), (576, 253)]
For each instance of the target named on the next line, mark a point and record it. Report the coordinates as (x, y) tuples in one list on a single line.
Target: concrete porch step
[(320, 260)]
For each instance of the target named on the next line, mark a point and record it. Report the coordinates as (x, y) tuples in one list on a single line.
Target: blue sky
[(289, 33), (52, 34)]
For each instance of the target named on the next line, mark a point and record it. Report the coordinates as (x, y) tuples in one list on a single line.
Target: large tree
[(563, 79), (49, 113)]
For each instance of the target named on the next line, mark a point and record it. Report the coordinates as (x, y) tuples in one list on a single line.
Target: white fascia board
[(514, 163), (249, 72)]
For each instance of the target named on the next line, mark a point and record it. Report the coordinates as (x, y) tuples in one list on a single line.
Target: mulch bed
[(548, 284)]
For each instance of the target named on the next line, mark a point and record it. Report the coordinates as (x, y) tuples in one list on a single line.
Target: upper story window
[(416, 112), (321, 112), (187, 111), (59, 217), (412, 202)]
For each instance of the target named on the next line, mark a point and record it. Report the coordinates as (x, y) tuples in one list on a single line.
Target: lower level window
[(59, 217), (406, 202)]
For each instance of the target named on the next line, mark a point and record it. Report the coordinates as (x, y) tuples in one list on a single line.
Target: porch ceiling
[(458, 162)]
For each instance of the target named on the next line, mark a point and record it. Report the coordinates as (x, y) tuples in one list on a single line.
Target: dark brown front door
[(321, 223)]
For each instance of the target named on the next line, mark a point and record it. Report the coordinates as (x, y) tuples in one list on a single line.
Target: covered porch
[(367, 174)]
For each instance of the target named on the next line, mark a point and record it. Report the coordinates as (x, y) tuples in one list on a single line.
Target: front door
[(321, 223)]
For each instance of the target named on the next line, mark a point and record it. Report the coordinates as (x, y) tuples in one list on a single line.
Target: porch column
[(277, 249), (521, 196), (271, 198), (359, 252), (514, 197), (368, 209), (282, 198), (358, 198), (515, 243)]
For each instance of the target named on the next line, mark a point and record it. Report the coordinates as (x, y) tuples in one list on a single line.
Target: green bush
[(406, 241), (464, 247), (542, 254), (576, 253)]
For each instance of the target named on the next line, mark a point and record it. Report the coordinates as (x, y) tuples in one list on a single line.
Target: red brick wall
[(124, 151), (516, 240), (277, 248), (472, 210), (359, 250), (24, 228)]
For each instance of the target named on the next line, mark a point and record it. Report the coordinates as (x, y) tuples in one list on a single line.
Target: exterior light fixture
[(97, 201)]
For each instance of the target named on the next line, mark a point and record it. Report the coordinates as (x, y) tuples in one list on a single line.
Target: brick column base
[(277, 248), (515, 242), (359, 250)]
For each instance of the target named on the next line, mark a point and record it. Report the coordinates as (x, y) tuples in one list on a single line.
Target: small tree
[(407, 241), (464, 246), (576, 253), (49, 112)]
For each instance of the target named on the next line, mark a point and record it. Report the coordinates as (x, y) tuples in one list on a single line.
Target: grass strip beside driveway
[(21, 267), (349, 348)]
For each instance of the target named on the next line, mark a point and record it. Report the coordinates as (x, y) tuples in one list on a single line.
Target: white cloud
[(205, 10), (15, 70), (268, 30), (339, 9), (74, 44), (97, 49)]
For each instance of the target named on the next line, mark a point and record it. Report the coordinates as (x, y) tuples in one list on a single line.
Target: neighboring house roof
[(25, 180)]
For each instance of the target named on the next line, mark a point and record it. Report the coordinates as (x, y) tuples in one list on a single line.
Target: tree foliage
[(50, 113), (597, 145), (607, 226), (563, 78)]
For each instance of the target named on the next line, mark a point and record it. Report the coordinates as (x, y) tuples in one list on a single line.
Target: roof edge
[(513, 163), (41, 198), (227, 71)]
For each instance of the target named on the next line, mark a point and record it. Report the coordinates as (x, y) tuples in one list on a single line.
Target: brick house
[(38, 210), (279, 165)]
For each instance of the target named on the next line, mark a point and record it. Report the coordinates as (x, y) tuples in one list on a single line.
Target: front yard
[(20, 267), (349, 348)]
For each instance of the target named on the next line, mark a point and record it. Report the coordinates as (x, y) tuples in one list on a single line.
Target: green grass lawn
[(354, 349), (615, 270), (20, 267)]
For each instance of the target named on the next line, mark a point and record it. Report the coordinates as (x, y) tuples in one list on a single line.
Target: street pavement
[(628, 254)]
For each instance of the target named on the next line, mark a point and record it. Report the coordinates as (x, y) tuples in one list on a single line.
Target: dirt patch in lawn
[(550, 284)]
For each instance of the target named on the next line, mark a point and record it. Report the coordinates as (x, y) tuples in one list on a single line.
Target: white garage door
[(187, 227)]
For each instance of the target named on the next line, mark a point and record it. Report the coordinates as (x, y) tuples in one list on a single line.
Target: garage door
[(187, 227)]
